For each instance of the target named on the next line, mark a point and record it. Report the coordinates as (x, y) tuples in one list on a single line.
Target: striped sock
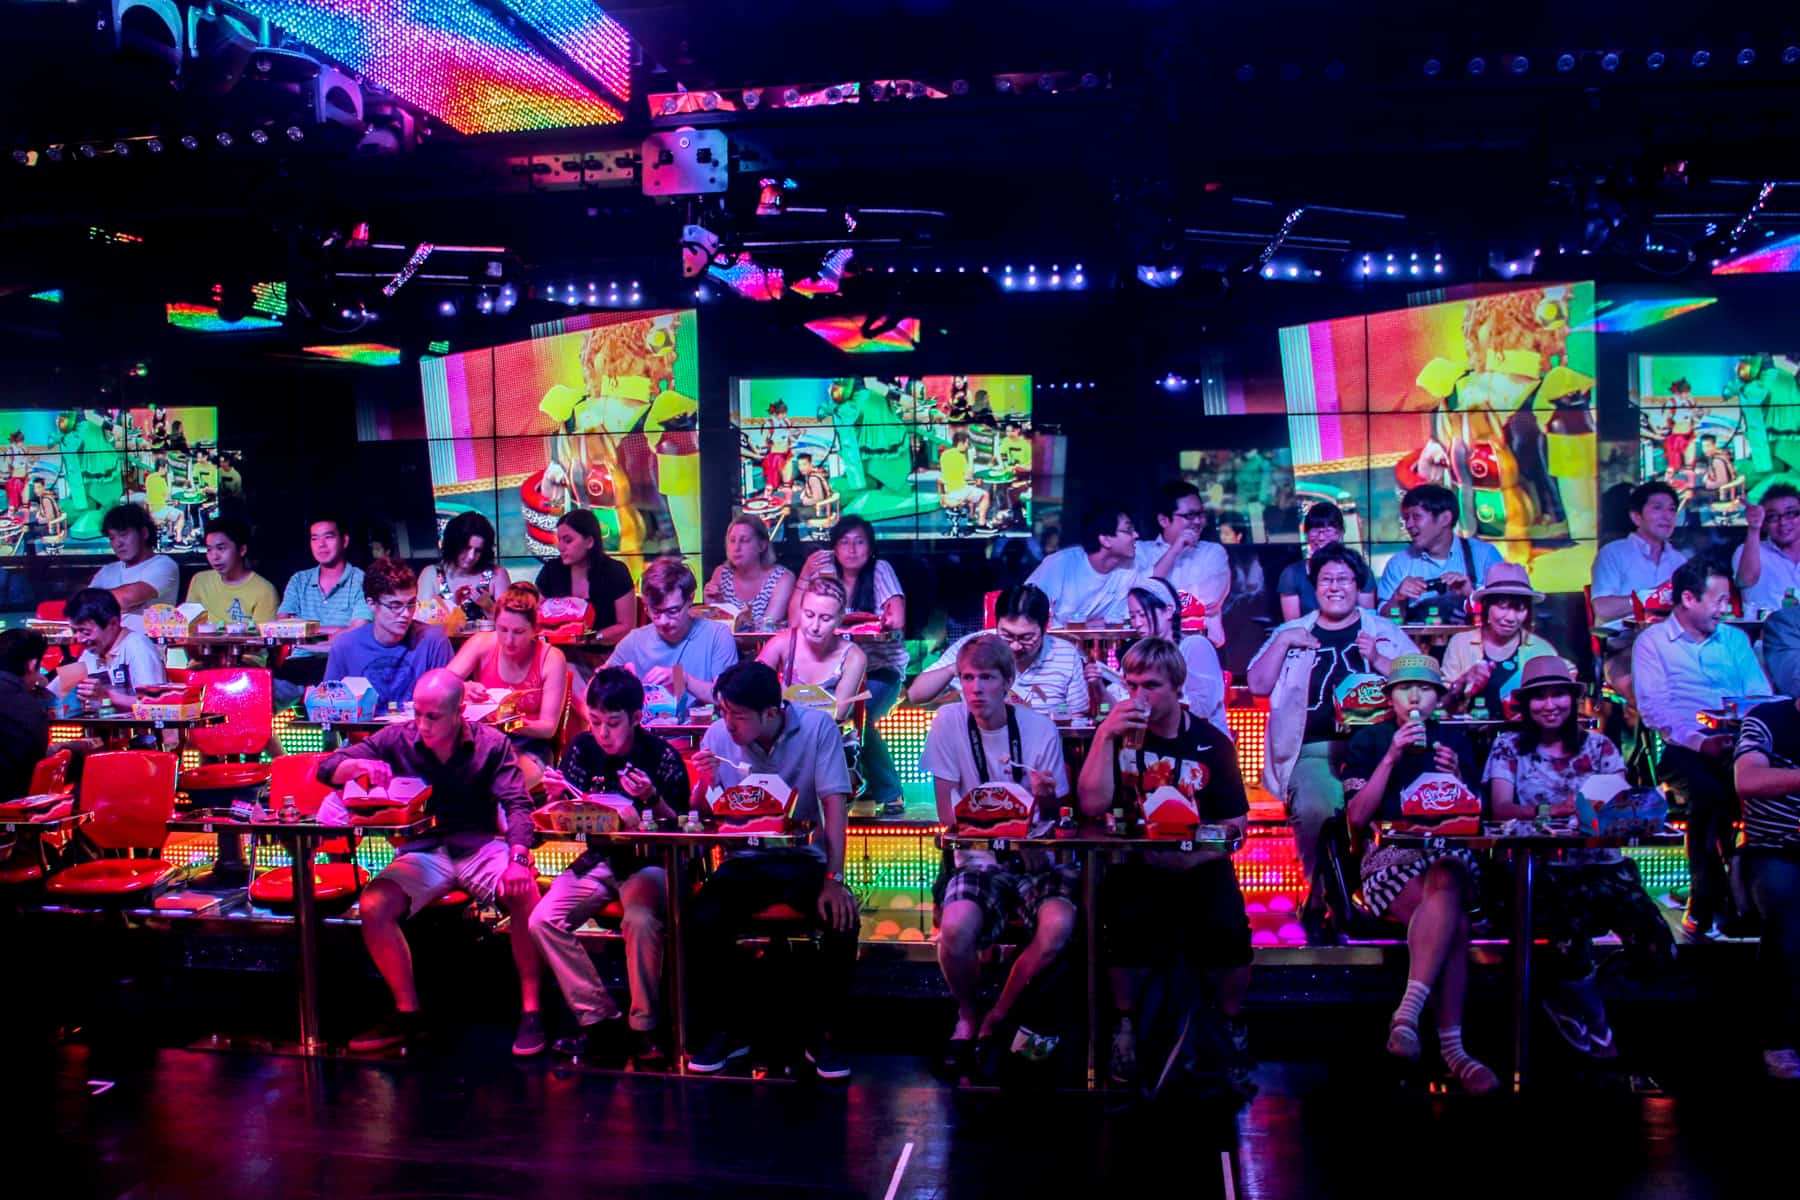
[(1475, 1076), (1450, 1044), (1412, 1004)]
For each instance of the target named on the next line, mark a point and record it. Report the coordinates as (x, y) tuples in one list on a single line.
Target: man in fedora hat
[(1682, 666), (1643, 560), (1484, 663)]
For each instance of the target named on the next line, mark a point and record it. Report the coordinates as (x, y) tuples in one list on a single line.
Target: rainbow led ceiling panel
[(598, 44), (454, 60), (1779, 257), (365, 354)]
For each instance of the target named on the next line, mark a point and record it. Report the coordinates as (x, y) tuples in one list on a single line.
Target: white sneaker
[(1782, 1064)]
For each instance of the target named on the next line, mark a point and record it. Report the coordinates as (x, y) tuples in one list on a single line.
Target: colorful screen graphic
[(918, 456), (596, 412), (1719, 428), (67, 467), (1492, 397)]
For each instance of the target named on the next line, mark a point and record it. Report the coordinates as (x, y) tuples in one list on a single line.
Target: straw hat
[(1546, 671), (1507, 579), (1415, 668)]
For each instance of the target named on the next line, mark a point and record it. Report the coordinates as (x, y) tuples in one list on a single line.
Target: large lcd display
[(916, 455), (1492, 397), (597, 412), (1719, 428), (63, 468)]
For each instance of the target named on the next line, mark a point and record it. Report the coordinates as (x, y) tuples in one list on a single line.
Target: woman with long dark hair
[(872, 587), (1156, 613), (585, 570), (465, 571)]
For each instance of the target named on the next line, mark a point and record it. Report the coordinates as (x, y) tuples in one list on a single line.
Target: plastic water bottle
[(1065, 824), (290, 811), (647, 818), (1480, 709)]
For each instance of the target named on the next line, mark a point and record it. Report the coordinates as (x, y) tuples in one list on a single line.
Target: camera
[(1436, 585)]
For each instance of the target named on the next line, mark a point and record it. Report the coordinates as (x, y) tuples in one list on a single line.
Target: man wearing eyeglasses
[(1178, 554), (1048, 670), (1768, 567), (393, 650), (703, 650)]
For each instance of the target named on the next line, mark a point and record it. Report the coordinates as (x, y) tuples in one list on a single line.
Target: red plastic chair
[(30, 860), (51, 774), (990, 609), (297, 775), (243, 696), (53, 610), (132, 795)]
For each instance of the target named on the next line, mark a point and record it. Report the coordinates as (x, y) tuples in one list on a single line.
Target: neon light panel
[(1780, 257), (52, 296), (454, 60), (598, 44), (1634, 315), (269, 298), (846, 333), (204, 318), (363, 354)]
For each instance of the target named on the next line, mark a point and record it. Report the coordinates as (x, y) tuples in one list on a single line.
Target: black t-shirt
[(1200, 762), (1504, 669), (587, 767), (1336, 658), (608, 579), (1371, 743)]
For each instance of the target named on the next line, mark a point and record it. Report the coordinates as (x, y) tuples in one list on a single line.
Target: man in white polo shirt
[(1768, 568), (1642, 561)]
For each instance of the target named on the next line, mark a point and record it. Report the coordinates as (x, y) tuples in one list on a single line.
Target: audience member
[(138, 577), (1323, 526), (331, 593), (1180, 555), (470, 769), (1429, 891), (1768, 573), (984, 739), (585, 570), (614, 755), (759, 733), (393, 652), (1156, 614), (750, 578), (814, 652), (675, 638), (534, 674), (1174, 901), (1781, 649), (465, 573), (24, 710), (870, 583), (1439, 570), (1047, 670), (118, 660), (959, 491), (1682, 666), (1642, 561), (1483, 664), (1088, 582), (231, 591), (1584, 893), (1768, 782)]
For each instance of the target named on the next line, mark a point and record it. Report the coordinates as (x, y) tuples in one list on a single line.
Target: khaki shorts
[(428, 873)]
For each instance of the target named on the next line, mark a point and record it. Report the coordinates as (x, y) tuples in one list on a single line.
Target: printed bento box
[(286, 628), (337, 700), (1441, 803), (996, 810), (1169, 814), (173, 702), (596, 812), (760, 804), (165, 621)]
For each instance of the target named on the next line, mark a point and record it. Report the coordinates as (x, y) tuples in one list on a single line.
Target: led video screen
[(917, 456), (63, 468), (1719, 428), (1493, 397), (597, 412)]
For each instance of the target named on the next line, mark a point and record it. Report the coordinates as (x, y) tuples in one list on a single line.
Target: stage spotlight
[(752, 98), (153, 145), (1433, 66), (1565, 63), (259, 137), (1791, 55), (1246, 73), (224, 139), (189, 142), (1746, 56), (1609, 62), (1655, 60), (1702, 57), (1003, 85), (446, 308), (295, 133), (484, 302), (959, 87), (86, 151), (1089, 80), (122, 149), (1046, 83), (1477, 66), (1520, 64)]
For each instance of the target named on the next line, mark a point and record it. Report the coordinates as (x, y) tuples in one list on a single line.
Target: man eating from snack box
[(761, 751), (1151, 751), (470, 768), (613, 756), (674, 637), (997, 768)]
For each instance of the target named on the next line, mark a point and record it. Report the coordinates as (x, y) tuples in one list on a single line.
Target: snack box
[(176, 702), (810, 695), (565, 618), (660, 703), (1193, 613), (1169, 814), (597, 812), (1738, 706), (1441, 803), (1606, 804), (165, 621), (289, 628), (718, 610), (760, 804), (996, 810), (402, 791), (352, 699)]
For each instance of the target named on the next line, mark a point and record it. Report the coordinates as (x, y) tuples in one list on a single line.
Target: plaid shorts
[(1010, 891)]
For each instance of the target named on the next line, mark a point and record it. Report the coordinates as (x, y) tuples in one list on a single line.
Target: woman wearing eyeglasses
[(393, 650)]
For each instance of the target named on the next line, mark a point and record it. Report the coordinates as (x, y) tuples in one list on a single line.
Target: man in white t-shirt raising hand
[(983, 739)]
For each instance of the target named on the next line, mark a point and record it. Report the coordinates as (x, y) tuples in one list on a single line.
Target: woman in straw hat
[(1546, 761), (1483, 664)]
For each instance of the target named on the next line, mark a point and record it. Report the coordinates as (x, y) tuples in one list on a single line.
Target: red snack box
[(760, 804), (996, 810)]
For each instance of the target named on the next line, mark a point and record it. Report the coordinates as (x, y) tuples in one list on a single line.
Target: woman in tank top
[(534, 672), (814, 652), (749, 577)]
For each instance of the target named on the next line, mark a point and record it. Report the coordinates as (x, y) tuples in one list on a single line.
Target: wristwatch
[(834, 876), (523, 858)]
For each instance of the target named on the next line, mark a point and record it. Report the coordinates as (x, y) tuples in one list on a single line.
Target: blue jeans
[(1773, 881), (877, 764)]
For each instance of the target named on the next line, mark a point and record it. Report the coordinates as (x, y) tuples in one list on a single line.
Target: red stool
[(334, 883), (131, 795)]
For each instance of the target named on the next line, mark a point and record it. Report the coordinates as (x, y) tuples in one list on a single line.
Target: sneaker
[(1566, 1015), (531, 1038), (1782, 1064), (711, 1058), (647, 1050), (400, 1029), (827, 1061), (1121, 1064), (891, 808), (598, 1042), (1694, 933)]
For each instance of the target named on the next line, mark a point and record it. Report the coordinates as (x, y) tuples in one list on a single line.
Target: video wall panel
[(1719, 428)]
